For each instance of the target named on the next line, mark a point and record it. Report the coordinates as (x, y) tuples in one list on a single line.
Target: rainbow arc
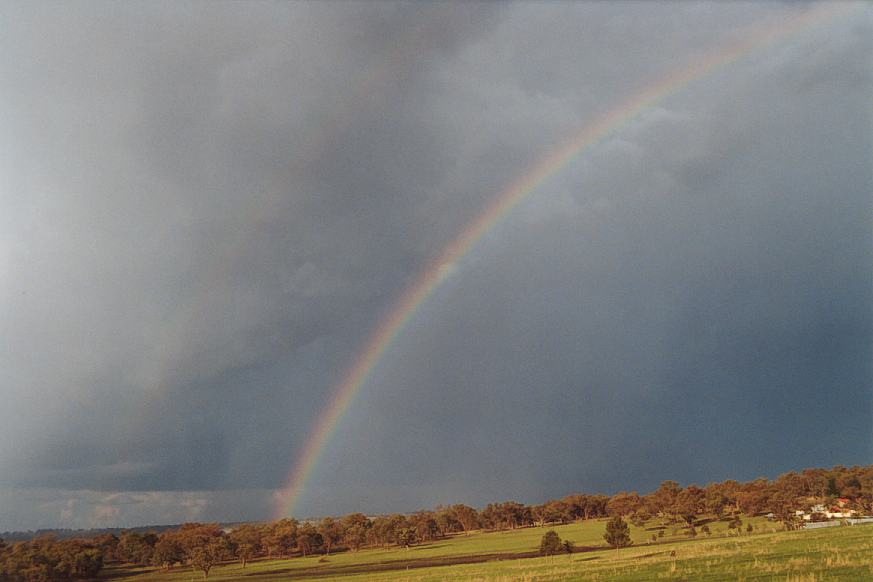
[(418, 292)]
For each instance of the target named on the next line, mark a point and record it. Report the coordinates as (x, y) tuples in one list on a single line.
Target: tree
[(86, 561), (551, 511), (382, 531), (550, 544), (783, 508), (595, 506), (513, 514), (247, 541), (355, 536), (617, 533), (405, 537), (107, 544), (308, 539), (203, 558), (568, 546), (331, 532), (47, 559), (168, 551), (446, 520), (735, 523), (197, 535), (353, 519), (134, 549), (539, 514), (356, 526), (204, 544), (385, 529), (426, 529), (640, 517), (490, 517), (624, 504), (280, 537), (466, 516), (688, 503), (664, 498), (715, 501)]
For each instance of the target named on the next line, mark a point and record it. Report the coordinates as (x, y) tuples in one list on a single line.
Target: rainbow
[(438, 270)]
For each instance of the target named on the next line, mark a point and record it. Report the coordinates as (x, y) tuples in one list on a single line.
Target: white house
[(840, 512)]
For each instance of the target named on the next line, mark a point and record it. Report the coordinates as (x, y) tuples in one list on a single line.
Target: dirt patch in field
[(404, 564)]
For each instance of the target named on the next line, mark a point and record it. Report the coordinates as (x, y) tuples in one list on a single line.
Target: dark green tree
[(617, 533), (550, 544)]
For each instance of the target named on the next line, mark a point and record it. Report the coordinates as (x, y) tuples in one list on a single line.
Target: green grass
[(802, 556)]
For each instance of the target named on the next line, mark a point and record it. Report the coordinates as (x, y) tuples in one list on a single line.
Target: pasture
[(842, 553)]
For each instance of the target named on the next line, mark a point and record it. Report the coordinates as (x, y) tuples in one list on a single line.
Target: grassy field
[(844, 553)]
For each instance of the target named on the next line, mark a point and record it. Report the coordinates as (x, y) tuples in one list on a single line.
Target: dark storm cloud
[(208, 207), (701, 299)]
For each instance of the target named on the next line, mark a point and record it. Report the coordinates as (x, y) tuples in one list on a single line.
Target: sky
[(207, 208)]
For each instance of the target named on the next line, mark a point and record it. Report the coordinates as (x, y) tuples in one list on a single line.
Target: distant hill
[(65, 534)]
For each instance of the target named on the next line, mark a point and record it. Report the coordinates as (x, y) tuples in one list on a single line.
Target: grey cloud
[(200, 218), (687, 302), (211, 206), (95, 509)]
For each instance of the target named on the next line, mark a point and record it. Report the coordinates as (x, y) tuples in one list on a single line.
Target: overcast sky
[(206, 208)]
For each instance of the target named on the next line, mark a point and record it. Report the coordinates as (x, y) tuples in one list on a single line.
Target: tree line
[(202, 546)]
